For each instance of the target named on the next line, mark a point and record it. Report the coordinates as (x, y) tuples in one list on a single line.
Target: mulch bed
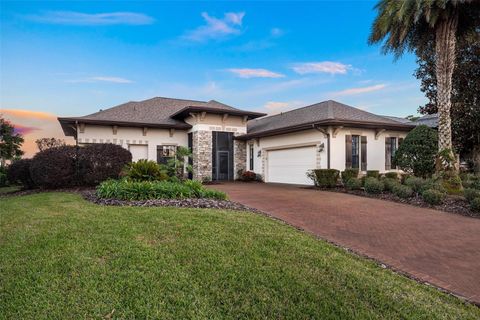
[(451, 204), (179, 203)]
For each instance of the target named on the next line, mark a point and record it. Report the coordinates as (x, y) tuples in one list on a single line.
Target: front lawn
[(62, 257)]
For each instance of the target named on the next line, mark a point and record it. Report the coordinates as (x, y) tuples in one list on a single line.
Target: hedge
[(326, 178), (373, 185), (349, 174), (19, 173)]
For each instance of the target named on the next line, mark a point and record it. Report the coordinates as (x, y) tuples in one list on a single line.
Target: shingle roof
[(430, 120), (155, 112), (327, 112)]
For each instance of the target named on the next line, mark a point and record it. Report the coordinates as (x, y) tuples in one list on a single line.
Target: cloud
[(92, 19), (255, 73), (216, 28), (21, 113), (101, 79), (359, 90), (274, 107), (276, 32), (24, 130), (321, 67)]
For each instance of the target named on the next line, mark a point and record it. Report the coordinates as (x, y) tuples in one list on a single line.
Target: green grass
[(9, 189), (64, 258)]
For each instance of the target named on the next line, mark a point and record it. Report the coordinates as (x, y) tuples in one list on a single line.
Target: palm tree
[(408, 25)]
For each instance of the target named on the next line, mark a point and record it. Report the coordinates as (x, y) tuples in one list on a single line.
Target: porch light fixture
[(259, 153), (321, 147)]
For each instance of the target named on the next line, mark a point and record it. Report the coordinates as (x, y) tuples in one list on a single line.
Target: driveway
[(437, 247)]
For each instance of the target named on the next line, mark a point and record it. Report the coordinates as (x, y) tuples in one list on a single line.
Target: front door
[(222, 155)]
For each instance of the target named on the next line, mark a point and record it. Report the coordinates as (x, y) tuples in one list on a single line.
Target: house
[(226, 140)]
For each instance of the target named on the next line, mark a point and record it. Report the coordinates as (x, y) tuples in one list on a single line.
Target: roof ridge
[(159, 97), (296, 109)]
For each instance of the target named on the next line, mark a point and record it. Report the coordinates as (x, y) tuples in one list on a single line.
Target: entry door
[(223, 165)]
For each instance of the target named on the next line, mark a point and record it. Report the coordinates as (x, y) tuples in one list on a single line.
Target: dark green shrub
[(418, 151), (390, 184), (403, 177), (353, 184), (433, 197), (19, 173), (471, 194), (99, 162), (417, 184), (391, 175), (434, 184), (471, 181), (146, 190), (3, 176), (326, 178), (475, 204), (402, 191), (373, 185), (373, 174), (144, 170), (349, 174), (55, 167)]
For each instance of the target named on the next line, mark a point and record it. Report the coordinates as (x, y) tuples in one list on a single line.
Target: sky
[(74, 58)]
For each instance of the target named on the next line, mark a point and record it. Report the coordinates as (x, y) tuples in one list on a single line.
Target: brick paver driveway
[(440, 248)]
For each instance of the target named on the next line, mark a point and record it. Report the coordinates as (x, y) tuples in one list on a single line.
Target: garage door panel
[(291, 165)]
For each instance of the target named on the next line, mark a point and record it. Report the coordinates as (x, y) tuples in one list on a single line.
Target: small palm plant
[(145, 170), (178, 165)]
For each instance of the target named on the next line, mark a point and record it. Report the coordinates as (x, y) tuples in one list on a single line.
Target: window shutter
[(388, 154), (364, 153), (348, 151)]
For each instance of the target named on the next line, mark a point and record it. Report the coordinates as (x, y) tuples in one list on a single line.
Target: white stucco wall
[(130, 135), (375, 147)]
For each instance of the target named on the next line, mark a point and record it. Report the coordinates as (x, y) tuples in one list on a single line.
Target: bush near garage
[(390, 184), (348, 174), (353, 184), (326, 178), (433, 197), (373, 174), (373, 185), (391, 175), (18, 172), (402, 191), (248, 176)]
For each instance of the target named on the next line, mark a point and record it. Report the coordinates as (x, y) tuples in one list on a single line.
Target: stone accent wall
[(239, 157), (202, 154)]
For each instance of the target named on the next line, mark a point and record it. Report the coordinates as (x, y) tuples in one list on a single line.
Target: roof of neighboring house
[(399, 119), (430, 120), (157, 112), (321, 114)]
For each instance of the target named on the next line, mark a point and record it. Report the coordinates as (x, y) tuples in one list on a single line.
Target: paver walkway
[(440, 248)]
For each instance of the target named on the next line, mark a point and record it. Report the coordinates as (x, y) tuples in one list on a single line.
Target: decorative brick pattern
[(202, 154)]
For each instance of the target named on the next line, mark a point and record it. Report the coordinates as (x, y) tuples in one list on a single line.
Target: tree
[(465, 110), (417, 152), (10, 142), (47, 143), (410, 25)]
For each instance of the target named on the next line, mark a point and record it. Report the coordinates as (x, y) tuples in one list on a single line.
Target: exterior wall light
[(259, 153), (321, 147)]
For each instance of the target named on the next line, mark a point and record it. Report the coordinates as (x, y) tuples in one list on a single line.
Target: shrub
[(391, 175), (433, 197), (471, 194), (3, 176), (99, 162), (144, 170), (326, 178), (55, 167), (146, 190), (390, 184), (417, 184), (373, 174), (475, 204), (418, 151), (19, 172), (434, 184), (402, 191), (373, 185), (249, 176), (353, 184), (471, 181), (349, 174)]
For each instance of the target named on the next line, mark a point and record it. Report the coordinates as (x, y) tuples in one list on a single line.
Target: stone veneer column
[(202, 154), (239, 156)]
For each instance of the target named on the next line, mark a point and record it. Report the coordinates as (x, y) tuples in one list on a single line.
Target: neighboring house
[(225, 140)]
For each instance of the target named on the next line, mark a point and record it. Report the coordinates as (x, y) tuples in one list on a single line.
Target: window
[(390, 148), (164, 153), (355, 152), (251, 156)]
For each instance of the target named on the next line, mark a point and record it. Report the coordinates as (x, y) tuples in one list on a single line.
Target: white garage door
[(138, 151), (291, 165)]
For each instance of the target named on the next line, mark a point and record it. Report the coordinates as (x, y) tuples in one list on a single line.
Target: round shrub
[(390, 184), (402, 191), (433, 184), (144, 170), (373, 185), (391, 175), (19, 172), (248, 176), (100, 162), (417, 184), (353, 184), (349, 174), (373, 174), (418, 151), (55, 167), (326, 178), (471, 194), (475, 204), (433, 197)]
